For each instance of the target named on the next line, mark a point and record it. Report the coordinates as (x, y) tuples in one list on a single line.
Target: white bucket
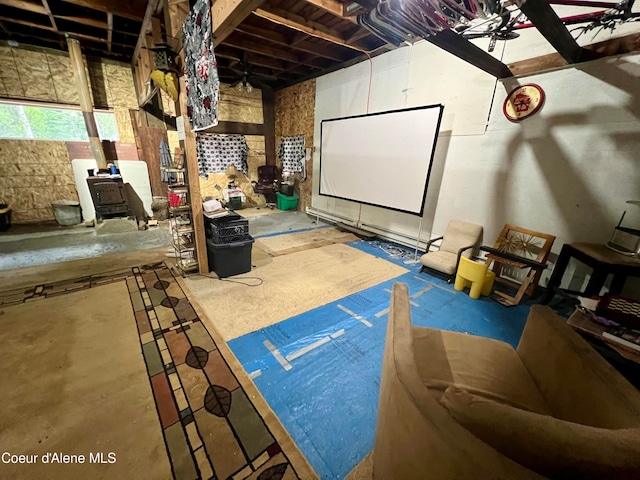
[(67, 212)]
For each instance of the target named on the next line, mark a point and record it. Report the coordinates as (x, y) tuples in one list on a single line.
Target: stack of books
[(624, 337)]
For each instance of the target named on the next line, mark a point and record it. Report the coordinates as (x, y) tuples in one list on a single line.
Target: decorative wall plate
[(523, 101)]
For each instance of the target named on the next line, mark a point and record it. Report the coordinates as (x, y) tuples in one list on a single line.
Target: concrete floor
[(30, 245)]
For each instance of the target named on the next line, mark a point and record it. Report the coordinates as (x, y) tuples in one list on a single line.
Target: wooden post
[(75, 55), (269, 120), (175, 14), (191, 162)]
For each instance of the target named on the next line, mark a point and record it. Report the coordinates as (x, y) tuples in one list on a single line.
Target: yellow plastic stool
[(475, 276)]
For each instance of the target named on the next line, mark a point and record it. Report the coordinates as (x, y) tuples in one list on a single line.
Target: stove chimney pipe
[(77, 64)]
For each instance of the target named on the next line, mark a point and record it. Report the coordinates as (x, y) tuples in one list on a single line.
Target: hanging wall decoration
[(201, 73), (523, 101), (217, 152), (292, 153)]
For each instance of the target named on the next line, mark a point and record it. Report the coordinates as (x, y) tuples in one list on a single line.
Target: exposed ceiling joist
[(109, 31), (285, 41), (145, 28), (22, 5), (332, 6), (224, 51), (462, 48), (261, 48), (264, 49), (540, 13), (29, 24), (92, 22), (47, 10), (296, 22), (226, 15), (133, 9)]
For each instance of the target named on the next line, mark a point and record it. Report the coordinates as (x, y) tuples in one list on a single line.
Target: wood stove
[(109, 196)]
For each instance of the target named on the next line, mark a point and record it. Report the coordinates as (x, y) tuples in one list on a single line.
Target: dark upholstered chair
[(267, 184)]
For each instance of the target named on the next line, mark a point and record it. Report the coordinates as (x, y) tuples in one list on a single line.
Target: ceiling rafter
[(109, 31), (285, 41), (226, 15), (145, 28), (296, 22), (462, 48), (92, 22), (22, 5), (263, 48), (47, 10), (332, 6), (546, 20), (51, 29), (133, 9)]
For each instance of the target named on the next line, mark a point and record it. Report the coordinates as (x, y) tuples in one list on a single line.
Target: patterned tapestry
[(292, 153), (201, 73), (217, 152)]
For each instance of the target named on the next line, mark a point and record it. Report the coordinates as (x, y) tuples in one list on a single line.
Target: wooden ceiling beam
[(224, 51), (260, 48), (614, 46), (540, 13), (47, 10), (29, 24), (332, 6), (462, 48), (92, 22), (144, 29), (226, 15), (22, 5), (51, 29), (109, 31), (286, 41), (133, 9), (359, 35), (296, 22)]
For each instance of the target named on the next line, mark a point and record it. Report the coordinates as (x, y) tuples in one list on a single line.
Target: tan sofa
[(458, 406)]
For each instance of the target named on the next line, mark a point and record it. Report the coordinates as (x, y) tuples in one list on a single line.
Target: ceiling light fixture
[(244, 86)]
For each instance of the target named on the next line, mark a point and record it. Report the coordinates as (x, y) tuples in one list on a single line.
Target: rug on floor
[(296, 242), (139, 329), (289, 285)]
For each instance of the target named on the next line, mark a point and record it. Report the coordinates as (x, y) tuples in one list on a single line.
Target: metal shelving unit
[(181, 222)]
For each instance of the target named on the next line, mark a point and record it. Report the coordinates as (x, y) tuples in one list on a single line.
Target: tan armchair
[(457, 406), (459, 239)]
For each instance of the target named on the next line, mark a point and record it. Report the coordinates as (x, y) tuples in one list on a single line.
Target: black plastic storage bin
[(286, 189), (228, 229), (5, 217), (228, 259)]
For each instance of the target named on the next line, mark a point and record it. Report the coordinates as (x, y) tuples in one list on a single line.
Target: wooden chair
[(521, 250)]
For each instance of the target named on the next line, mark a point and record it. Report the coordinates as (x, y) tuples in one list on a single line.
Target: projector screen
[(382, 159)]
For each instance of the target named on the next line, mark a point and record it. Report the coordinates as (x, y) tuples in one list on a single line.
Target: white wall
[(566, 171)]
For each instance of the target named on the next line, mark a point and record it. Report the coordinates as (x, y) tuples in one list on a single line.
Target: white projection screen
[(382, 159)]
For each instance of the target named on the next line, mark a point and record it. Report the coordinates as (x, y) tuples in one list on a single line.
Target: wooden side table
[(583, 324), (602, 260)]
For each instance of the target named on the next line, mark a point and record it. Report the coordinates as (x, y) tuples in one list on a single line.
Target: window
[(36, 122)]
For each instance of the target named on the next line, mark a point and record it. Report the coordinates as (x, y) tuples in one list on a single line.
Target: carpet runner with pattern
[(211, 428)]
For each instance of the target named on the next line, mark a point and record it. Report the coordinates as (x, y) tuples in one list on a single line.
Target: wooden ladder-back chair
[(518, 249)]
